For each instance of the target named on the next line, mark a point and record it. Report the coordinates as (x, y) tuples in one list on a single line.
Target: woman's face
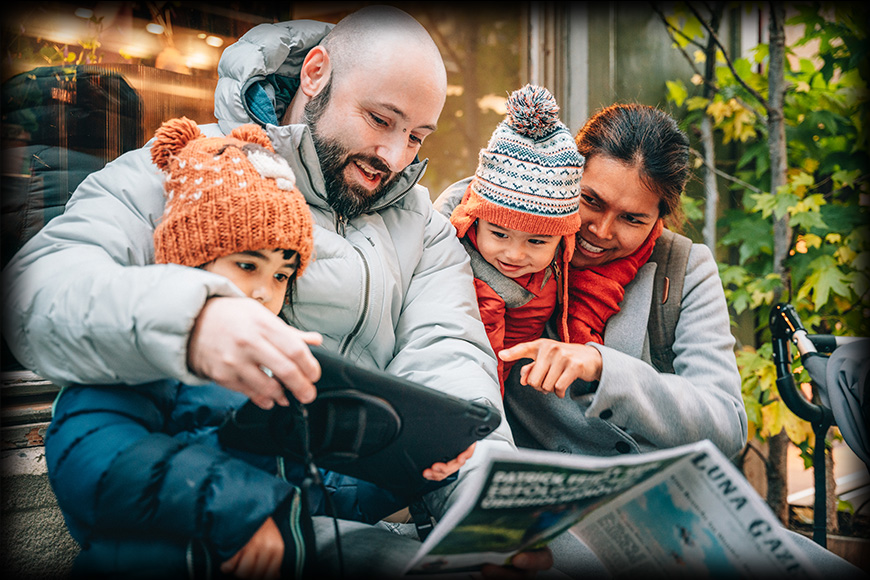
[(617, 210)]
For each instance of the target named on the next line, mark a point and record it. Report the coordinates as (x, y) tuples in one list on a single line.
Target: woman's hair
[(646, 138)]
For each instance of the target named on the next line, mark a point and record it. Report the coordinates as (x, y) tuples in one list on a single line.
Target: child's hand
[(440, 471), (261, 557), (556, 365)]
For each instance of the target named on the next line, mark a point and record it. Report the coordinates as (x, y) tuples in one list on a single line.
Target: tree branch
[(762, 101), (670, 29), (724, 175)]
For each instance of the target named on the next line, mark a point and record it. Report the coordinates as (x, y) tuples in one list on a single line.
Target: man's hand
[(235, 339), (261, 557), (440, 471), (556, 364)]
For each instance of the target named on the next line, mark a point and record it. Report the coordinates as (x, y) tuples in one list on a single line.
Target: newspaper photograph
[(685, 511)]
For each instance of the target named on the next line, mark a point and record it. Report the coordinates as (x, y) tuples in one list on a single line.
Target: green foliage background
[(825, 200)]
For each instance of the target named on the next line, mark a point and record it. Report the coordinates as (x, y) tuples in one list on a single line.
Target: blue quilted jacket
[(144, 462)]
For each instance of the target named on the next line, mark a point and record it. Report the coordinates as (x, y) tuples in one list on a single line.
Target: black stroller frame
[(785, 328)]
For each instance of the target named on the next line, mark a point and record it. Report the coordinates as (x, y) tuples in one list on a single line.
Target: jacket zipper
[(296, 531), (345, 344), (341, 229), (294, 521), (557, 273), (340, 225)]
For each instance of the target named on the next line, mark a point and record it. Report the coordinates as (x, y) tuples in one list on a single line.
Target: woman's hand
[(440, 471), (261, 557), (524, 565), (556, 365)]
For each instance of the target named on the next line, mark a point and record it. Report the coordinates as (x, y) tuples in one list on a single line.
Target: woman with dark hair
[(650, 363), (657, 366), (618, 387)]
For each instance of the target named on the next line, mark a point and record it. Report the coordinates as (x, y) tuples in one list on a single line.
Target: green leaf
[(697, 103), (826, 279), (751, 233), (677, 92), (807, 220)]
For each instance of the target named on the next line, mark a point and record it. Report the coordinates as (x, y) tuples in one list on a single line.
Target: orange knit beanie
[(528, 177), (226, 195)]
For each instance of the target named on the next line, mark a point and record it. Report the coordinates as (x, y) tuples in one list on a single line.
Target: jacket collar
[(626, 330)]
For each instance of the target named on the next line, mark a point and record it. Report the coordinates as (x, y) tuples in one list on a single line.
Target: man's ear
[(316, 71)]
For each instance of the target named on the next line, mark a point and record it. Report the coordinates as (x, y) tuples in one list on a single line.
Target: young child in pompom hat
[(232, 208), (518, 218)]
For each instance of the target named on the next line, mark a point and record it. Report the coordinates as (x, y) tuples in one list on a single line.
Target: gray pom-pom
[(532, 111)]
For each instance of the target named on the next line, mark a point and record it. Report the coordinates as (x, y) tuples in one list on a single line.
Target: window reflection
[(82, 84)]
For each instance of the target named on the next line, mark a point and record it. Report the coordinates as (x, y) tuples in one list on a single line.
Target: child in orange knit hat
[(518, 219), (232, 208), (175, 497)]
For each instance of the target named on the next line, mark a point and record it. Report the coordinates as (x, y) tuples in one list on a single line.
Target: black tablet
[(366, 424)]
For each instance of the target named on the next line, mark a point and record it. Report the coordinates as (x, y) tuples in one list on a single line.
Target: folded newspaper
[(681, 511)]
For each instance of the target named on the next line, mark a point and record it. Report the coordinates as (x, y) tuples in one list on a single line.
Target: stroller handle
[(785, 327), (828, 343), (785, 324), (815, 351)]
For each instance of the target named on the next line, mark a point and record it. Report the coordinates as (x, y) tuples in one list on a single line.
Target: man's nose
[(394, 151)]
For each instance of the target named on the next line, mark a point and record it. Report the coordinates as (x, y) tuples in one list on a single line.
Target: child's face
[(515, 253), (262, 275)]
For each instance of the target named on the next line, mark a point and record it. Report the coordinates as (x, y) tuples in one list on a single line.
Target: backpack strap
[(671, 253)]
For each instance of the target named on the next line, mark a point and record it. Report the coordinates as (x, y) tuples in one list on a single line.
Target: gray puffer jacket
[(392, 290)]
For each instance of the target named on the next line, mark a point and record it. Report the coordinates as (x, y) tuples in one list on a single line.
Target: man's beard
[(346, 199)]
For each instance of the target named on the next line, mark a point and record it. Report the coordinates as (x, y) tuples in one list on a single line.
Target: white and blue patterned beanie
[(528, 177)]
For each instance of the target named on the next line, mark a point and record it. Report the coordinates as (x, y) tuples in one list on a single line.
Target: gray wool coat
[(635, 407)]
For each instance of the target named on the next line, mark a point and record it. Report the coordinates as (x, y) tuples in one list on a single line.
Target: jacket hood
[(257, 78), (259, 74)]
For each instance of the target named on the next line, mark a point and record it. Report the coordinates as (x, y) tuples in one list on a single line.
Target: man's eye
[(378, 120), (416, 140)]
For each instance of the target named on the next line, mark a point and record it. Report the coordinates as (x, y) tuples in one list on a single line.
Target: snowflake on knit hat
[(532, 111)]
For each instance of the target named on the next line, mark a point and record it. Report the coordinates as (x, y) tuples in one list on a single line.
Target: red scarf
[(594, 293)]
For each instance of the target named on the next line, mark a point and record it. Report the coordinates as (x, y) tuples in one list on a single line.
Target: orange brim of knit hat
[(474, 207)]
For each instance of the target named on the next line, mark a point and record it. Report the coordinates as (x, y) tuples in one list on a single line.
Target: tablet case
[(366, 424)]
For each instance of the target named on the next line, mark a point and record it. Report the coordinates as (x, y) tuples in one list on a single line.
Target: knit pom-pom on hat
[(532, 111), (175, 134), (172, 137), (251, 133)]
